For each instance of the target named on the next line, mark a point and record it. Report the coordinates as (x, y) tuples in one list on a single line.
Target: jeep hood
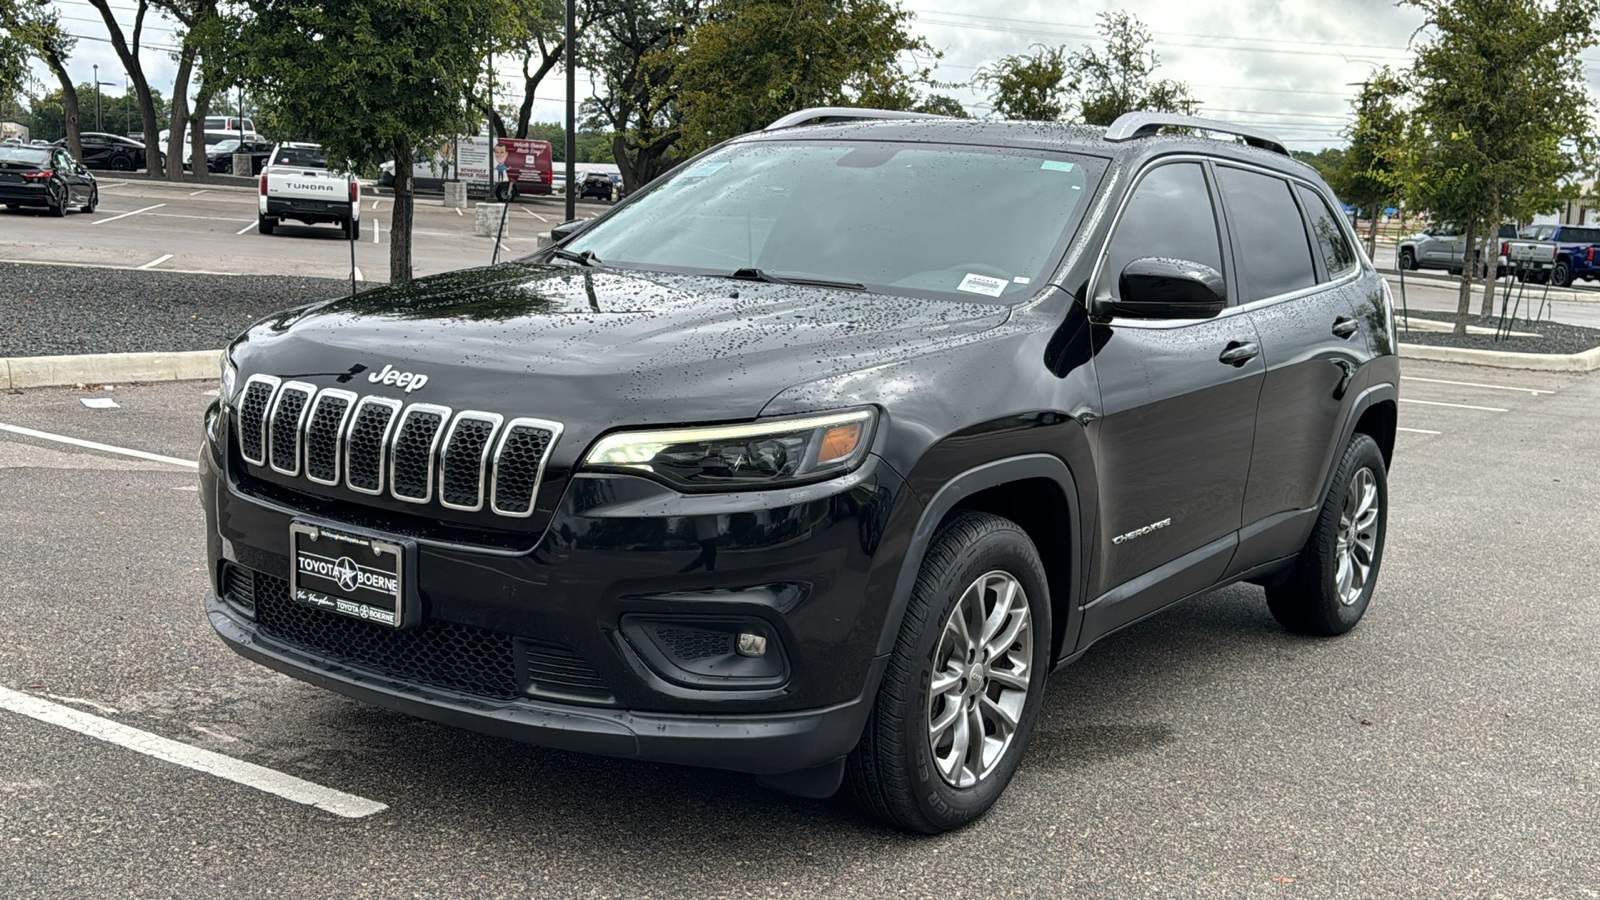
[(596, 348)]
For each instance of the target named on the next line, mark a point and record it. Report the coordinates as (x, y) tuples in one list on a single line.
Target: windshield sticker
[(1022, 279), (982, 284), (1051, 165)]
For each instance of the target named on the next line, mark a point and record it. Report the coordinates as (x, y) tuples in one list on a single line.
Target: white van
[(218, 129)]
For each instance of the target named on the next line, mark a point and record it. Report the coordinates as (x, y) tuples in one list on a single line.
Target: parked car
[(600, 185), (48, 177), (297, 184), (1559, 254), (109, 151), (217, 129), (219, 158), (814, 457), (1443, 246)]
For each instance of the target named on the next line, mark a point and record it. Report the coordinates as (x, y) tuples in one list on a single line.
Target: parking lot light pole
[(97, 124), (572, 105)]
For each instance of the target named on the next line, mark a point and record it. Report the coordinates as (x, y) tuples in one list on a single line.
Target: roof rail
[(822, 115), (1143, 124)]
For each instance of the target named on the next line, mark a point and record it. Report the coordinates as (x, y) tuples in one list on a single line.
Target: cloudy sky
[(1284, 65)]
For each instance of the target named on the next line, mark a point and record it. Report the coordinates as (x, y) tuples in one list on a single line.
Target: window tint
[(1581, 235), (1337, 254), (1270, 237), (1169, 216)]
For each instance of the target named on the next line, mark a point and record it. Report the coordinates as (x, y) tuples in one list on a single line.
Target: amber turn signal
[(839, 442)]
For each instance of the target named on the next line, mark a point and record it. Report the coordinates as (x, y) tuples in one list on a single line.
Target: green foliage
[(118, 111), (1029, 87), (629, 51), (1368, 175), (941, 105), (1326, 161), (1118, 79), (748, 62), (593, 146), (1502, 126)]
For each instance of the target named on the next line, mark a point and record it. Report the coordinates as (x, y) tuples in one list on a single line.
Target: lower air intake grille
[(443, 654), (239, 587), (556, 670)]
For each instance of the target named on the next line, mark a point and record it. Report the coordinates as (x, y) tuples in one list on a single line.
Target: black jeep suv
[(813, 458)]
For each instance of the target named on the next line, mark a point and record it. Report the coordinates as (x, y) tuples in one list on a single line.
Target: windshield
[(310, 157), (227, 146), (28, 156), (895, 217)]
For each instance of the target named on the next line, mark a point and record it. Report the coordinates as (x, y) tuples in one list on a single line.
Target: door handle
[(1238, 353), (1344, 326)]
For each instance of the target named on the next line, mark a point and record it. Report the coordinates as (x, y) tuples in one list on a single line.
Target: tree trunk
[(1372, 236), (619, 152), (69, 104), (1468, 266), (530, 84), (141, 86), (400, 218), (180, 117), (197, 130), (1493, 254)]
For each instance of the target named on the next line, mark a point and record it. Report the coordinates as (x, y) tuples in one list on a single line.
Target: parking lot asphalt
[(1445, 748), (189, 227)]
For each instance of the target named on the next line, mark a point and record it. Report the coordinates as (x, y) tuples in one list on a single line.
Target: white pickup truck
[(296, 184)]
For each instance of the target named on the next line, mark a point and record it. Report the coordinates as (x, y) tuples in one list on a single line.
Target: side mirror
[(1156, 288), (568, 229)]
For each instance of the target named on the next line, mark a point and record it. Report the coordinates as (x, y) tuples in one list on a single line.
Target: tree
[(1501, 125), (1028, 88), (38, 28), (749, 62), (370, 79), (1367, 175), (941, 105), (635, 90), (537, 36), (1118, 80), (128, 51)]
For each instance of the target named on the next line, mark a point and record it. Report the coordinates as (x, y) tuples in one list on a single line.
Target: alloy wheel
[(982, 671), (1357, 546)]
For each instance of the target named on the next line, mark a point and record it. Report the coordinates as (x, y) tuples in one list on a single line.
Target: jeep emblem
[(411, 381)]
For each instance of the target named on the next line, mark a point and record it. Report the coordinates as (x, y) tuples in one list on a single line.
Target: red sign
[(523, 162)]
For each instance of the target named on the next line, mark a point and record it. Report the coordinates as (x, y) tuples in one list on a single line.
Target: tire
[(265, 225), (1314, 598), (896, 772), (1408, 259), (352, 229), (121, 163), (57, 210), (94, 201), (1561, 275)]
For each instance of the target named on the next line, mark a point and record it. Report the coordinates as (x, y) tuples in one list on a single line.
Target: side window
[(1337, 254), (1170, 215), (1270, 237)]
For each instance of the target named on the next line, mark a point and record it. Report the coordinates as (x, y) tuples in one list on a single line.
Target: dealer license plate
[(354, 575)]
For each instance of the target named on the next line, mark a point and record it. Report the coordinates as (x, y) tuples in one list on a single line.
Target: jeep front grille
[(376, 445)]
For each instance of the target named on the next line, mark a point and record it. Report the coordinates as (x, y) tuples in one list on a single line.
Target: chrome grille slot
[(411, 457), (364, 446), (417, 453), (288, 417), (325, 434), (519, 465), (462, 462), (254, 402)]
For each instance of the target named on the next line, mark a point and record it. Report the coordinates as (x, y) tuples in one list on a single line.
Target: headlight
[(230, 379), (774, 453)]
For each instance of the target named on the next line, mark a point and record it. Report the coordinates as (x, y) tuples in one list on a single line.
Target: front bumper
[(806, 566)]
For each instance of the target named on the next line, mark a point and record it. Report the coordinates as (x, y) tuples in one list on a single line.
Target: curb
[(107, 368), (1587, 361)]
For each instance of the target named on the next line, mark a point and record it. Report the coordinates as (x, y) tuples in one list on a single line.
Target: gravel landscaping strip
[(51, 310), (1552, 337)]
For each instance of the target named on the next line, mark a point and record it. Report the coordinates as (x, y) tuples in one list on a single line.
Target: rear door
[(1299, 272), (1178, 420)]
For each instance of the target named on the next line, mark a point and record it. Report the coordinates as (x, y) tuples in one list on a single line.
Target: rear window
[(27, 156), (1337, 254), (1581, 235), (1270, 237), (310, 157)]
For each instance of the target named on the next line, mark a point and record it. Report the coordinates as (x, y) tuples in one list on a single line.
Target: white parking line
[(537, 216), (1491, 387), (1453, 405), (358, 273), (374, 204), (95, 445), (127, 214), (156, 262), (199, 192), (458, 210), (246, 228), (261, 778), (375, 229), (112, 184), (1419, 430)]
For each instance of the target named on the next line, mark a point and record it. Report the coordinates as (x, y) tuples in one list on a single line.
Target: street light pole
[(572, 105), (98, 124)]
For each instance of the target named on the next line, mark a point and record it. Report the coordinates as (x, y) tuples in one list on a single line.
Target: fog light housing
[(721, 653)]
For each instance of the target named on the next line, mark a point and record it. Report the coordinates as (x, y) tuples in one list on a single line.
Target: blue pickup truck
[(1573, 252)]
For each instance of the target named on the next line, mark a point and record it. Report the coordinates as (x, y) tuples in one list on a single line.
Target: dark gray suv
[(814, 457)]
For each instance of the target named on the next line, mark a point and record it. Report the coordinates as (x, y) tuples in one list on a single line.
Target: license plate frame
[(354, 573)]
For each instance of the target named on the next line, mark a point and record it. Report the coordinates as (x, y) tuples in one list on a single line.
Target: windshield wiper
[(586, 258), (753, 274)]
